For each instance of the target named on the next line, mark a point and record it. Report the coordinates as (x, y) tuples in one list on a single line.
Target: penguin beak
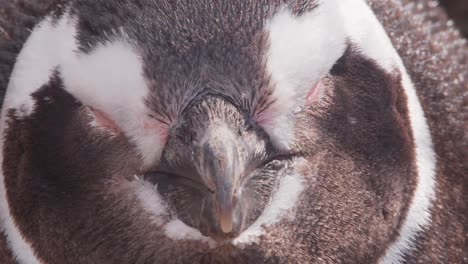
[(224, 209), (219, 167)]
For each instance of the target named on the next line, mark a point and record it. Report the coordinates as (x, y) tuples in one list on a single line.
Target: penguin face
[(218, 168), (285, 132)]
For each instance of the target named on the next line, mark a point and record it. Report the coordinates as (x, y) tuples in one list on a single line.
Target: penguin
[(154, 131)]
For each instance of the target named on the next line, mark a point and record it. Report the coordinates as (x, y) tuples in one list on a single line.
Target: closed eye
[(159, 177), (275, 163)]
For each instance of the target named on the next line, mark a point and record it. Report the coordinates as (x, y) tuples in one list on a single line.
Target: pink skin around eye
[(104, 121), (267, 117), (152, 126), (313, 94)]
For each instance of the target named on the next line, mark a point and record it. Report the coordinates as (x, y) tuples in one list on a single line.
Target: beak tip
[(225, 222), (226, 227)]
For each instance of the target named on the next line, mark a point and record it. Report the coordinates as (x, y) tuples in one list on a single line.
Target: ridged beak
[(220, 167)]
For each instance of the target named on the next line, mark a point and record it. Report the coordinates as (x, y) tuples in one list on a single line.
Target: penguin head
[(175, 133), (218, 168)]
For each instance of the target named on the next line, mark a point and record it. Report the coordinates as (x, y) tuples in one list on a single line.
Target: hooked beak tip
[(225, 213), (225, 222)]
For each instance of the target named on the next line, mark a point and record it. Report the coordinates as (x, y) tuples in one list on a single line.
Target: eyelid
[(167, 176)]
